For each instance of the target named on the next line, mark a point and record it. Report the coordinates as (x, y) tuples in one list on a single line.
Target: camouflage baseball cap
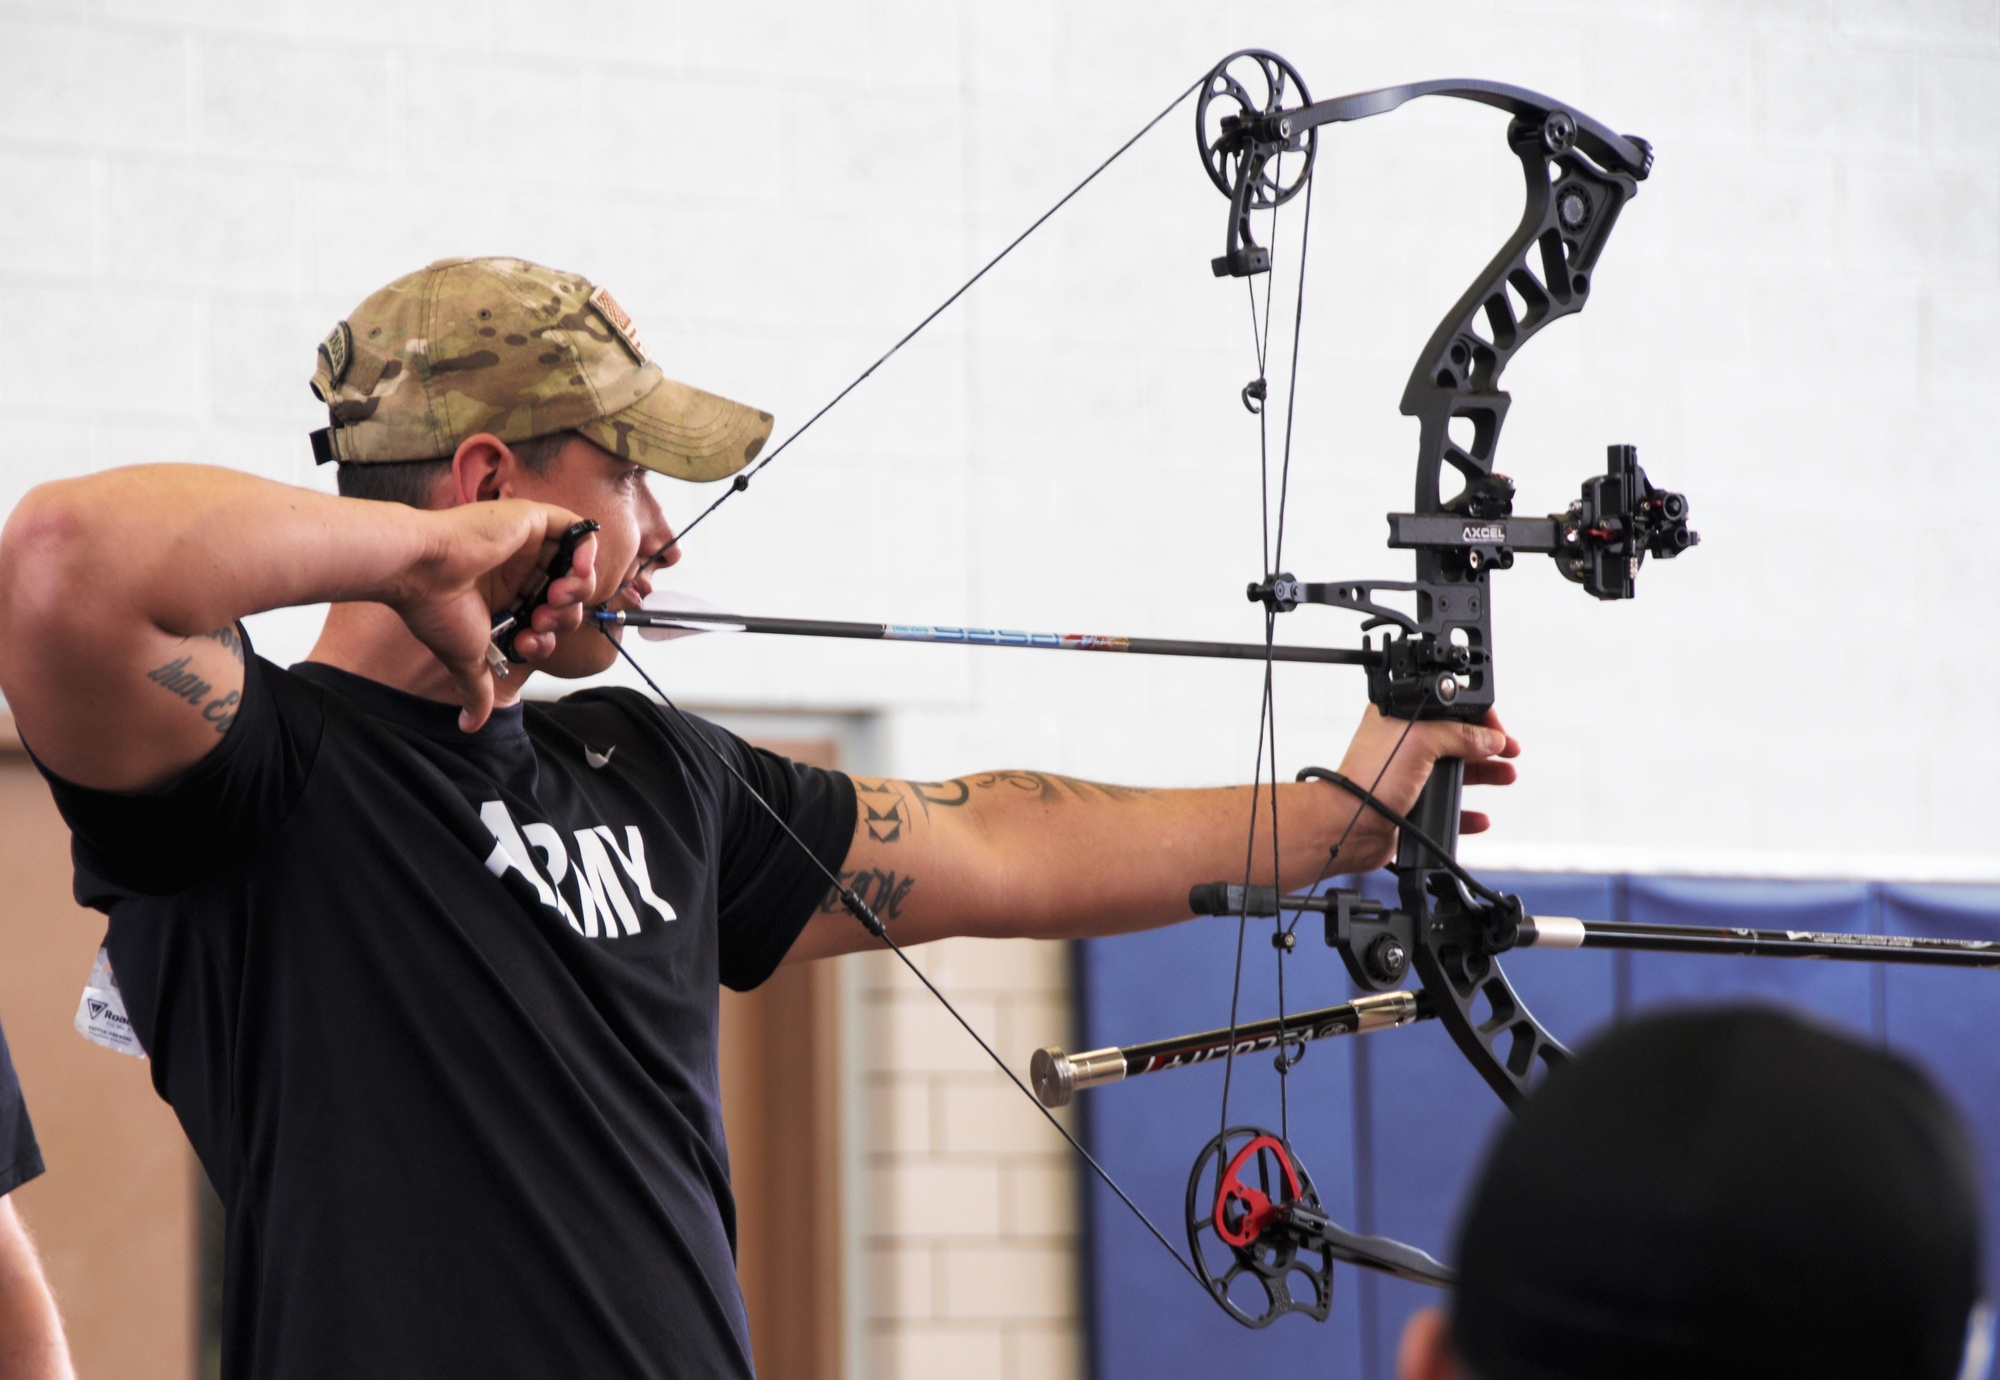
[(517, 350)]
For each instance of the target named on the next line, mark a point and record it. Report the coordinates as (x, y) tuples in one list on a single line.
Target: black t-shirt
[(438, 1012), (20, 1157)]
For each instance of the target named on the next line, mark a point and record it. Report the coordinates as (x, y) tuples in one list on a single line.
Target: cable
[(1403, 822), (1333, 853), (1260, 339), (861, 911)]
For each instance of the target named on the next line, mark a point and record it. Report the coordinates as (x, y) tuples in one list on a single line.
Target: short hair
[(412, 482), (1723, 1193)]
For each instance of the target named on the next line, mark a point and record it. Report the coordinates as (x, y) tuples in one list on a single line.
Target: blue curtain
[(1390, 1127)]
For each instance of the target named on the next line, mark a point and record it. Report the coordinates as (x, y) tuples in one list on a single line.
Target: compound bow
[(1252, 1212), (1435, 661)]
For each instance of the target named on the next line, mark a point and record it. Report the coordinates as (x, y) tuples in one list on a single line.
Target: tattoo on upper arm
[(885, 826), (949, 794), (1051, 789), (881, 808), (883, 891), (231, 640), (885, 804), (175, 677)]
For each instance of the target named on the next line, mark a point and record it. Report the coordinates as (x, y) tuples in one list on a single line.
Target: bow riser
[(1541, 274), (1569, 212)]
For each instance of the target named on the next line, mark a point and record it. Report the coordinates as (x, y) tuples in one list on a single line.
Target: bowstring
[(1281, 935), (742, 481), (1273, 547), (1260, 339), (1273, 543), (848, 897)]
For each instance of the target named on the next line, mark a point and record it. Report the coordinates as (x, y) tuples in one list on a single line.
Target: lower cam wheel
[(1248, 1259)]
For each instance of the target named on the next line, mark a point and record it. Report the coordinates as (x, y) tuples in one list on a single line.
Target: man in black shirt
[(31, 1337), (430, 975)]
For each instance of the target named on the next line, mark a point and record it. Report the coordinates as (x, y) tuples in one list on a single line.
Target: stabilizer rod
[(1057, 1077), (1555, 932)]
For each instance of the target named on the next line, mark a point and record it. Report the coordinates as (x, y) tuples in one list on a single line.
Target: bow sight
[(1620, 519)]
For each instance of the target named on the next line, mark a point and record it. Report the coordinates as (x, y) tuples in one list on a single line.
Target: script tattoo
[(883, 892), (228, 637), (177, 680)]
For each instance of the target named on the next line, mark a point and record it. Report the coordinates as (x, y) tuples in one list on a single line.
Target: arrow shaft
[(939, 634)]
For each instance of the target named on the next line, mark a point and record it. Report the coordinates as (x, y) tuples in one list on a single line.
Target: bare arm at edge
[(119, 593), (31, 1334)]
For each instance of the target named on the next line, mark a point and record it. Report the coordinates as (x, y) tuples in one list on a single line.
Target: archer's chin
[(584, 652)]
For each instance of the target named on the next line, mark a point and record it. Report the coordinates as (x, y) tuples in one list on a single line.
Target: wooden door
[(781, 1108)]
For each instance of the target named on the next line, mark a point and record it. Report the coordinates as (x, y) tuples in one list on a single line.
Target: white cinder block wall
[(970, 1238), (1794, 323)]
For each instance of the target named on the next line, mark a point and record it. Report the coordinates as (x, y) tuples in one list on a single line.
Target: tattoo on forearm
[(884, 892), (177, 680), (230, 640)]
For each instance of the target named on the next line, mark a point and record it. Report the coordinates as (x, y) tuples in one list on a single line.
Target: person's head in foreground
[(1719, 1193)]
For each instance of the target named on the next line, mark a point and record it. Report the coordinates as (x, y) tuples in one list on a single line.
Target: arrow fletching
[(679, 601)]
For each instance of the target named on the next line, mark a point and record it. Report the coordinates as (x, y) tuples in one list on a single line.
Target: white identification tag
[(100, 1016)]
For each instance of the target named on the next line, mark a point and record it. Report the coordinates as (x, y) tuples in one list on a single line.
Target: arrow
[(662, 624)]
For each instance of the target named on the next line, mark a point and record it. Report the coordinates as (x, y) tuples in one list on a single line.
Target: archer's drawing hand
[(1485, 748), (478, 558)]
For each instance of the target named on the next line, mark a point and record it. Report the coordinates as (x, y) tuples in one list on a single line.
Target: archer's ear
[(482, 468), (1426, 1353)]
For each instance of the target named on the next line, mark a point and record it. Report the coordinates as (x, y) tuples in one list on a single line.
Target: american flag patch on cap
[(614, 315)]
